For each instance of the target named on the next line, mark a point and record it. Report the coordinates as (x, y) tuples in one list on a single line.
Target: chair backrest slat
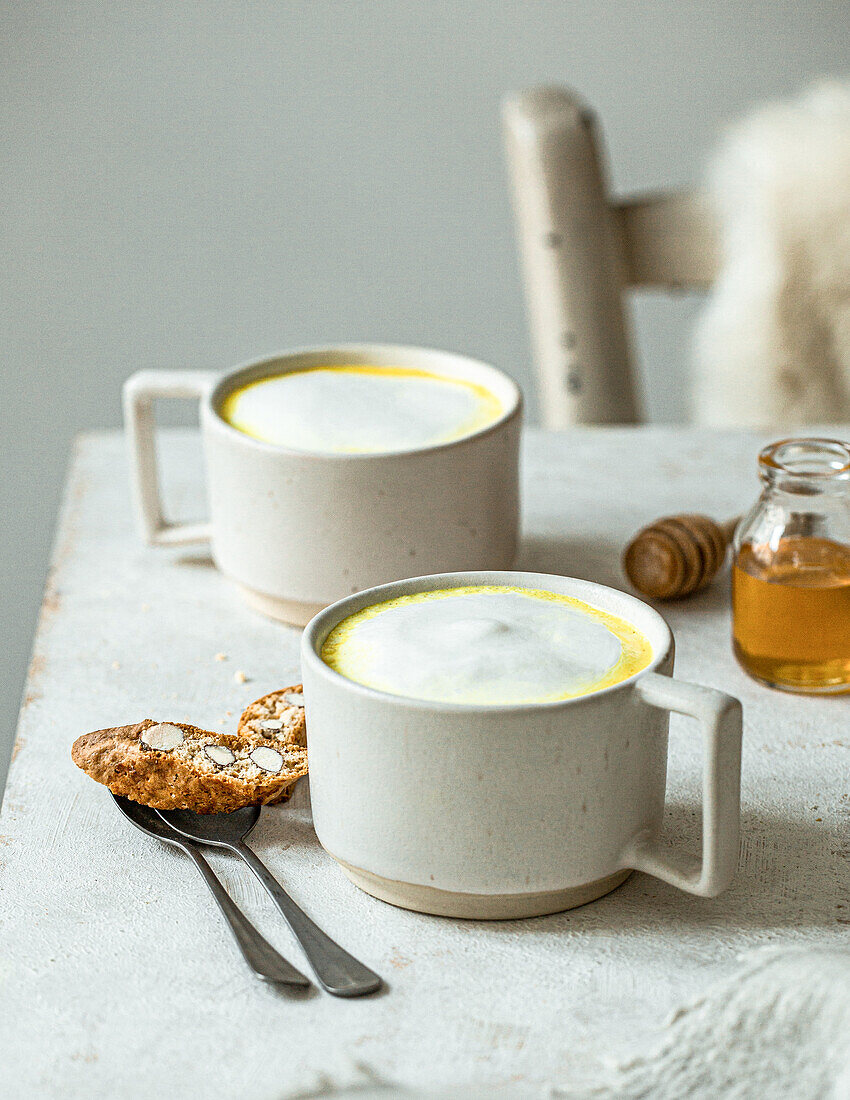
[(668, 240)]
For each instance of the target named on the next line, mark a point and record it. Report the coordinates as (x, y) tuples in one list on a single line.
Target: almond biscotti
[(278, 716), (174, 766)]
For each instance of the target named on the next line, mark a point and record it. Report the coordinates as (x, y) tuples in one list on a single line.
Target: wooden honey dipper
[(677, 555)]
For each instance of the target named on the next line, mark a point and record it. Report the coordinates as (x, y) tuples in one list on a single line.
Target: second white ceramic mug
[(513, 811), (298, 530)]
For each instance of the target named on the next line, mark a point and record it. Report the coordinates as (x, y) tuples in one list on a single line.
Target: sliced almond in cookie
[(278, 716), (192, 769), (220, 754), (163, 736), (268, 759)]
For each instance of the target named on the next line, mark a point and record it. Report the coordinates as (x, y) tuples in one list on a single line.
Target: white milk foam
[(492, 645), (360, 409)]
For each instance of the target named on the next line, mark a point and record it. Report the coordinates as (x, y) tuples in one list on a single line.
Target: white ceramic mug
[(298, 530), (513, 811)]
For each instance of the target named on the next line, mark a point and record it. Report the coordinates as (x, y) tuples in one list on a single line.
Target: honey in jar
[(791, 570)]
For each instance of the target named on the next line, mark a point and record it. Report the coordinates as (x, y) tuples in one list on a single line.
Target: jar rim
[(808, 457)]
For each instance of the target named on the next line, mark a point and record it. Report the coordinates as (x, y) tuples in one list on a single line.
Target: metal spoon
[(266, 963), (338, 972)]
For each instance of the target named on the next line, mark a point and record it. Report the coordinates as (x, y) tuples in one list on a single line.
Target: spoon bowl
[(218, 830)]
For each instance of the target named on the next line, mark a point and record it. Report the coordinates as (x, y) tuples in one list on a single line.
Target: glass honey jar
[(791, 570)]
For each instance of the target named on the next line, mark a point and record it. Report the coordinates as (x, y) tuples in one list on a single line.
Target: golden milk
[(490, 645), (356, 409)]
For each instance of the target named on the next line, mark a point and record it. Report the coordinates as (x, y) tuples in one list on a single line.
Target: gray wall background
[(191, 185)]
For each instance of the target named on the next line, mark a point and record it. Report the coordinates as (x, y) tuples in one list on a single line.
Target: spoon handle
[(338, 972), (258, 953)]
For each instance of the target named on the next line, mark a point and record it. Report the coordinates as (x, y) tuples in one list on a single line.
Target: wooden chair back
[(581, 250)]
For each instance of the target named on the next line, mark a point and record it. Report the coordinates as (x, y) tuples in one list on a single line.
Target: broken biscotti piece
[(278, 716), (174, 766)]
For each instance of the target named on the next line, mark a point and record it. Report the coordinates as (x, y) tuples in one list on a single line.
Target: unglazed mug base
[(291, 612), (448, 903)]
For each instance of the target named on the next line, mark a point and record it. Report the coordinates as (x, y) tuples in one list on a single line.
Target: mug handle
[(138, 397), (721, 719)]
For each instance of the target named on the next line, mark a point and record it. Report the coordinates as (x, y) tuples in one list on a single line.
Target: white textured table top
[(117, 975)]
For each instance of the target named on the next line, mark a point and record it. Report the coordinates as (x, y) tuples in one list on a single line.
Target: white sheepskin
[(772, 346)]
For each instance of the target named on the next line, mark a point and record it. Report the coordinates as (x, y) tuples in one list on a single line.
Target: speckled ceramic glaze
[(297, 530), (510, 811)]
